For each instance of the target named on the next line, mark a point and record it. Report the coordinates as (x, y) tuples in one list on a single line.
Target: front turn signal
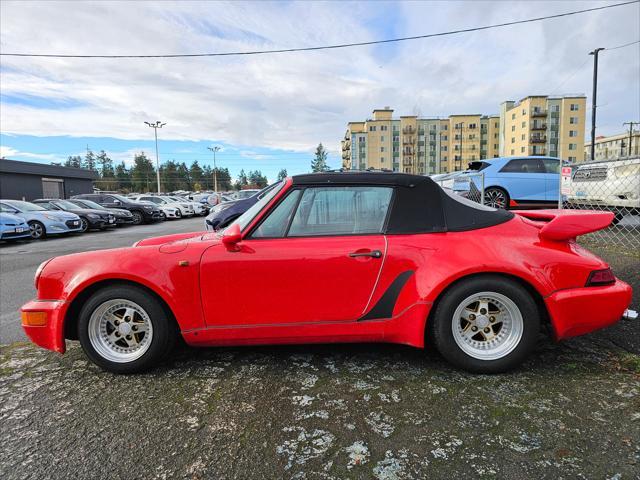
[(34, 319)]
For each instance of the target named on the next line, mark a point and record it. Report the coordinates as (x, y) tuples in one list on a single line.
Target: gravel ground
[(329, 411)]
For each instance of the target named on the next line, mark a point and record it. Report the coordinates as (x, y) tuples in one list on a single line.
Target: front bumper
[(576, 311), (152, 216), (50, 333)]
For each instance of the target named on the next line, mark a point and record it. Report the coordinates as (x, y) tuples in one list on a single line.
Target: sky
[(268, 112)]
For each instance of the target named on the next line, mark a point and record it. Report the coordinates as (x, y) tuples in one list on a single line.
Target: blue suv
[(513, 182)]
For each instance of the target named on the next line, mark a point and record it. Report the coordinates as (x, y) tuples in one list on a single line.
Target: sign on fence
[(565, 181)]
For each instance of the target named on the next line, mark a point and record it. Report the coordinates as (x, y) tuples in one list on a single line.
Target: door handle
[(373, 254)]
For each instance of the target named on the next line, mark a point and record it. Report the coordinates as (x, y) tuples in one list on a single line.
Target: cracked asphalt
[(328, 412)]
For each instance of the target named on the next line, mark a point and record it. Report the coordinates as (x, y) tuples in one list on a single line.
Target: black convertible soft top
[(419, 205)]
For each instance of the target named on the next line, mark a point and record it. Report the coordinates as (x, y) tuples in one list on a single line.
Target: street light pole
[(631, 124), (155, 127), (215, 169), (593, 101)]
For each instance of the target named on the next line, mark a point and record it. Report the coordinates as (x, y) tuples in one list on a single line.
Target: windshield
[(25, 206), (89, 204), (65, 204), (120, 197), (245, 219)]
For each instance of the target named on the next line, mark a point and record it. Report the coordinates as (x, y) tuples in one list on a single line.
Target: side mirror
[(231, 236), (117, 202)]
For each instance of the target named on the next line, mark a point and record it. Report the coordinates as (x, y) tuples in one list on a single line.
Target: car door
[(552, 178), (525, 179), (316, 257)]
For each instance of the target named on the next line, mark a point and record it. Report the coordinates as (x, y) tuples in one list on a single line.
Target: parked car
[(242, 194), (123, 217), (169, 209), (198, 208), (515, 182), (13, 227), (612, 185), (90, 218), (42, 222), (226, 212), (141, 212), (338, 257)]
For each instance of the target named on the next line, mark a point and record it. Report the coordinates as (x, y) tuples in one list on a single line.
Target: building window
[(382, 149), (572, 146), (445, 137), (524, 136), (524, 124), (372, 128), (445, 127), (383, 127), (495, 125), (513, 152), (574, 107), (382, 138), (382, 159), (572, 159), (495, 145), (555, 108), (573, 133), (513, 128), (573, 120), (472, 136), (521, 149), (524, 111), (472, 125), (513, 139), (513, 116)]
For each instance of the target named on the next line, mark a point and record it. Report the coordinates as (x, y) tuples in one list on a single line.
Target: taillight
[(601, 277)]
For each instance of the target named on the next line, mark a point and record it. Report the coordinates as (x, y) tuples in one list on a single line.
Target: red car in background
[(338, 257)]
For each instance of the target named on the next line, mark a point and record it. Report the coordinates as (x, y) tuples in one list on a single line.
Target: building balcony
[(408, 140), (539, 126), (408, 130), (538, 113), (538, 139), (407, 162)]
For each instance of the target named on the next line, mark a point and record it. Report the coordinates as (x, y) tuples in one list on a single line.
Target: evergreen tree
[(319, 163), (282, 174), (257, 180), (105, 165), (224, 179), (73, 161), (207, 178), (123, 179), (143, 175), (195, 172), (184, 177), (242, 180), (89, 161)]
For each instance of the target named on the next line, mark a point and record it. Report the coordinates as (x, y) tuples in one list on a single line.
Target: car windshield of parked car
[(244, 219), (65, 204), (120, 198), (25, 206), (89, 204)]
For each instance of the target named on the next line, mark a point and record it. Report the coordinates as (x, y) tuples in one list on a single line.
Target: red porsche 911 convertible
[(338, 257)]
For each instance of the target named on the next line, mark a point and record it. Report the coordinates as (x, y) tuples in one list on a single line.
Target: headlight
[(627, 171), (148, 207), (50, 217)]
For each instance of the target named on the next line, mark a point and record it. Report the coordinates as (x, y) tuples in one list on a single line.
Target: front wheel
[(486, 324), (137, 217), (496, 197), (84, 225), (37, 230), (125, 329), (178, 214)]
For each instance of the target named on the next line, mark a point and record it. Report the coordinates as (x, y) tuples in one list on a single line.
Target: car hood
[(86, 211)]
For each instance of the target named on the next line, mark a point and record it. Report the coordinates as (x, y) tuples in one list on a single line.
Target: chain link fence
[(608, 186), (469, 185)]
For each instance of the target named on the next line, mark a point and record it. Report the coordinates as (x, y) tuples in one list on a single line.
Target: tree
[(242, 180), (224, 179), (73, 161), (123, 179), (282, 174), (89, 161), (195, 172), (257, 180), (319, 163), (143, 175), (105, 164)]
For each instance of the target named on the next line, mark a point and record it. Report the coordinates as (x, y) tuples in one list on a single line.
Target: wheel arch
[(71, 315), (545, 318)]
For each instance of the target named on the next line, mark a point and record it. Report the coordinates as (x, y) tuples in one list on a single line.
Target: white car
[(198, 208), (169, 209), (614, 185)]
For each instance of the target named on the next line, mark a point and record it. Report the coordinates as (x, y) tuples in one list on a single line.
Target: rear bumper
[(577, 311), (50, 335)]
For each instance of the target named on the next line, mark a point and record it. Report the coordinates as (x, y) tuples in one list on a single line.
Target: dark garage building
[(28, 180)]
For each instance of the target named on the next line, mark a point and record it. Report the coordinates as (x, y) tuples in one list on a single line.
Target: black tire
[(496, 197), (37, 229), (441, 324), (138, 218), (164, 328), (84, 225), (178, 214)]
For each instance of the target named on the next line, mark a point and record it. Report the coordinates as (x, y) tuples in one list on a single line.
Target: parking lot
[(328, 411)]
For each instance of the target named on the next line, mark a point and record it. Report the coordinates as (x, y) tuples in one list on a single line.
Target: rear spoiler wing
[(561, 225)]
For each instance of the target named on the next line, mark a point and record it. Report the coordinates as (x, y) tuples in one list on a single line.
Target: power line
[(622, 46), (328, 47)]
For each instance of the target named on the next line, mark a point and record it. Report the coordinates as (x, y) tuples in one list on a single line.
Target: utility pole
[(155, 127), (593, 101), (215, 169), (631, 124)]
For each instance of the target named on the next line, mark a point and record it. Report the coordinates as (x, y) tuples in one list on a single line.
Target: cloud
[(294, 101), (12, 153)]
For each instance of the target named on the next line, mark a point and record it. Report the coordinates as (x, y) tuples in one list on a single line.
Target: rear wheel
[(84, 224), (37, 230), (496, 197), (486, 324), (137, 217), (125, 329)]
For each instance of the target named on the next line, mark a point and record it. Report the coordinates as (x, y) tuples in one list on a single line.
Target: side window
[(275, 225), (551, 165), (524, 165), (7, 208), (341, 211)]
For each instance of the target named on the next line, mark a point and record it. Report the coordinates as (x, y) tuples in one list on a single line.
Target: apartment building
[(424, 146), (543, 125), (614, 147)]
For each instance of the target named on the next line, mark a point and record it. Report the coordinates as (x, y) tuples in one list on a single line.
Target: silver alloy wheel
[(496, 198), (137, 218), (84, 225), (487, 325), (120, 330), (36, 229)]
